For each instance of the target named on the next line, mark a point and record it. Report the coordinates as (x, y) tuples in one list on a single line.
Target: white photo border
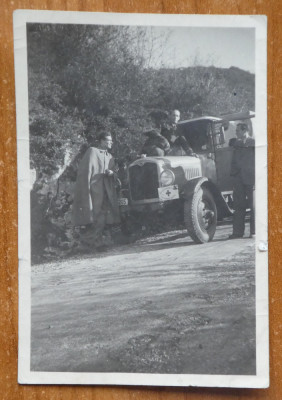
[(25, 375)]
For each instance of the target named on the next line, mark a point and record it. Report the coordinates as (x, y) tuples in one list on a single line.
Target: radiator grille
[(192, 173), (144, 181)]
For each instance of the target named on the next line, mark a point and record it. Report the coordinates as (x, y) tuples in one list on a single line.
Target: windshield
[(197, 135)]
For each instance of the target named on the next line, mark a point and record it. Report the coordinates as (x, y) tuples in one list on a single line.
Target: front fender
[(192, 186)]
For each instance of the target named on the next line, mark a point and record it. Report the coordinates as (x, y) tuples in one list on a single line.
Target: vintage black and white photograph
[(142, 199)]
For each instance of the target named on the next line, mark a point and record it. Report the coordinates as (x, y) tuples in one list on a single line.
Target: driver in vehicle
[(178, 144)]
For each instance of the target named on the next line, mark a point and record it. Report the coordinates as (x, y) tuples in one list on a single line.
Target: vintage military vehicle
[(195, 189)]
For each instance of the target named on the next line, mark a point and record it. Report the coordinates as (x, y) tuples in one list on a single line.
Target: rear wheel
[(200, 216)]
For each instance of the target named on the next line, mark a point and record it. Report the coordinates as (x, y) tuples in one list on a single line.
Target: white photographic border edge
[(25, 375)]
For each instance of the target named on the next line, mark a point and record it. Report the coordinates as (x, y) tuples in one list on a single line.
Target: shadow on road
[(150, 244), (161, 241)]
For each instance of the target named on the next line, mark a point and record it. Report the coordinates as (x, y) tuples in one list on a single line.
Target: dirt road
[(161, 305)]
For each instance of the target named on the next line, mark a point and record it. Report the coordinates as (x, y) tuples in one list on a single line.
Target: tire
[(200, 216)]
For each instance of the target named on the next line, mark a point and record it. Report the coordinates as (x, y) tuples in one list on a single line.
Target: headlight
[(167, 178)]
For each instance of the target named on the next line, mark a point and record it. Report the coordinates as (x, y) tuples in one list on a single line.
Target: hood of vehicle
[(191, 166), (170, 161)]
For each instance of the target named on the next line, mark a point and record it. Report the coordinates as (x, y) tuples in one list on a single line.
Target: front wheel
[(200, 216)]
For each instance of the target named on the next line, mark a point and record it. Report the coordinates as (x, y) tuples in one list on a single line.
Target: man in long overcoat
[(95, 198), (243, 173)]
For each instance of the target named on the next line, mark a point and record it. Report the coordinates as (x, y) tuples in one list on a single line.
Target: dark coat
[(155, 145), (180, 142), (243, 161)]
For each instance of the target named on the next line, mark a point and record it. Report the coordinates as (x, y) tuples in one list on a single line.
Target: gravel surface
[(162, 305)]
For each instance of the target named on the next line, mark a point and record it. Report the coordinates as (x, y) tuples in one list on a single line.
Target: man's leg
[(239, 199), (99, 226)]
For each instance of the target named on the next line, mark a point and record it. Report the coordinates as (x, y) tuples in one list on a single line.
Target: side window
[(209, 144), (218, 135)]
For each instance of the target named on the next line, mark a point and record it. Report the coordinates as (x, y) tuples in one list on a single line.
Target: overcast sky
[(221, 47)]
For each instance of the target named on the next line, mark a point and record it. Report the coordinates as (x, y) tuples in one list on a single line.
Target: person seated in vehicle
[(155, 144), (178, 144)]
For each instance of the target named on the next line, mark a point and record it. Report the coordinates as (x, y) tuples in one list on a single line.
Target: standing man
[(243, 171), (95, 199)]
